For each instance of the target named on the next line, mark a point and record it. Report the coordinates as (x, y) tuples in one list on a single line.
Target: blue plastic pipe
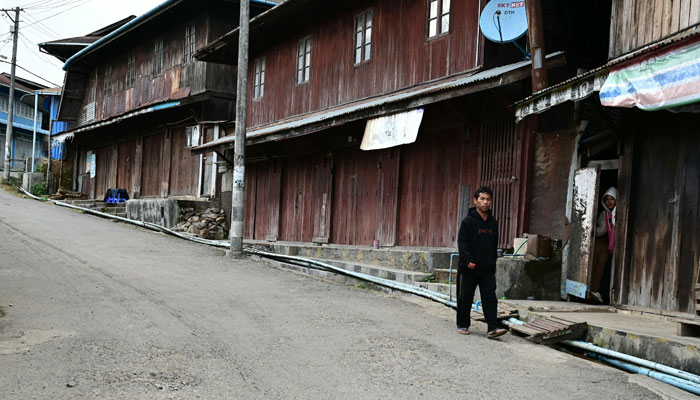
[(686, 385)]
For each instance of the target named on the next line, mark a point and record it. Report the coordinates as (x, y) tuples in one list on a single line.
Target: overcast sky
[(47, 20)]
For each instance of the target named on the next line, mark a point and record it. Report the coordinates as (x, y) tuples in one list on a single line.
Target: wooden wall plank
[(684, 20), (694, 17), (152, 170), (397, 43), (126, 165), (184, 167)]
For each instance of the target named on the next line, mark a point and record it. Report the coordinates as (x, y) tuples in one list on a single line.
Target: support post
[(11, 100), (36, 109), (536, 36), (238, 194)]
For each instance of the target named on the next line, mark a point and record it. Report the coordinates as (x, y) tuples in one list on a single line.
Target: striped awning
[(665, 79)]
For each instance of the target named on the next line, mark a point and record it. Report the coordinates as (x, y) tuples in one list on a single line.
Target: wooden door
[(578, 251), (126, 164), (388, 196)]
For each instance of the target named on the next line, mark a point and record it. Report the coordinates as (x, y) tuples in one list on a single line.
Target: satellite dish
[(503, 21)]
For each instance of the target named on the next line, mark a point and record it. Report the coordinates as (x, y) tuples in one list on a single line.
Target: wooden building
[(325, 87), (135, 99), (631, 122)]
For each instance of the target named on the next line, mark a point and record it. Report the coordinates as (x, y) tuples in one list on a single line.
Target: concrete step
[(443, 274), (121, 211), (81, 203), (401, 258), (403, 276)]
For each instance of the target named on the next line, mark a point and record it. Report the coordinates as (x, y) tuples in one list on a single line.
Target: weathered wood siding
[(402, 57), (636, 23), (184, 167), (660, 251), (126, 165), (152, 166), (177, 79)]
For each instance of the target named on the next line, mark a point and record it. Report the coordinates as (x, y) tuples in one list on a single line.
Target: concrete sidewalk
[(649, 336)]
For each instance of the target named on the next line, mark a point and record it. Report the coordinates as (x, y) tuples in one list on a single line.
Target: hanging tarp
[(664, 79), (392, 130)]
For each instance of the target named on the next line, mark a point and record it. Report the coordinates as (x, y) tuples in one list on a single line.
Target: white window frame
[(157, 58), (190, 38), (259, 78), (130, 70), (439, 12), (304, 47), (107, 81), (363, 37)]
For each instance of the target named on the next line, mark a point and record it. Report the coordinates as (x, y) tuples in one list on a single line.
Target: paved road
[(96, 309)]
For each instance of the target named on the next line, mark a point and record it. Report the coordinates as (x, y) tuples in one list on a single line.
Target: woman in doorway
[(605, 225)]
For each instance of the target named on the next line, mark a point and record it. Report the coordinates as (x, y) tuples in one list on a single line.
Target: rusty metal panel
[(553, 153), (184, 167), (126, 165), (399, 39), (152, 167), (579, 250)]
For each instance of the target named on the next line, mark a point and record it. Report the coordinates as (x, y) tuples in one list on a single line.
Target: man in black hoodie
[(478, 241)]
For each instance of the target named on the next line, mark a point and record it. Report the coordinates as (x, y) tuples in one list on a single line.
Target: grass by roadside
[(12, 186)]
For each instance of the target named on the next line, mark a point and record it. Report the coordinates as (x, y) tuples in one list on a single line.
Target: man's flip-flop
[(496, 333), (463, 331)]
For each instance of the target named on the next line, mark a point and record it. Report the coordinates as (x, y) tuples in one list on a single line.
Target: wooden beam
[(605, 164)]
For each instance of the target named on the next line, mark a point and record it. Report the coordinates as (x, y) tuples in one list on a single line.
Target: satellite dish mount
[(504, 22)]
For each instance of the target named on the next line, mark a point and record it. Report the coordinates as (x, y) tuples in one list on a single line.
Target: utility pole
[(11, 100), (238, 194), (536, 35)]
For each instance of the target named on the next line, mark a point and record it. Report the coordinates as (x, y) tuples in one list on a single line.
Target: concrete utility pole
[(238, 194), (11, 100), (536, 36)]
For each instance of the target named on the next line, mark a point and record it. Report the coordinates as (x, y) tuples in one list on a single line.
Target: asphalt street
[(93, 309)]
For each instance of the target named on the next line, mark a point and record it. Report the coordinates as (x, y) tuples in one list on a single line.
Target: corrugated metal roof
[(406, 94), (678, 37), (167, 4)]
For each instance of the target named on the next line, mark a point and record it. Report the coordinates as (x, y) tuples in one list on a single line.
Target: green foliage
[(38, 189)]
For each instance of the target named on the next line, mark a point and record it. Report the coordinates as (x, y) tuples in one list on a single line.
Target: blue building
[(23, 121)]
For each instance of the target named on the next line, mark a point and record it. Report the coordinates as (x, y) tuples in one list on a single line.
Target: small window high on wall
[(259, 78), (303, 60), (438, 17), (189, 43), (363, 37)]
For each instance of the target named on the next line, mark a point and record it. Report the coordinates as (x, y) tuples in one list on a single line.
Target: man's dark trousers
[(467, 281)]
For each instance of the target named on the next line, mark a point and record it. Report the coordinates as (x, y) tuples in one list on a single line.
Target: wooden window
[(303, 60), (108, 81), (4, 103), (130, 70), (189, 43), (157, 58), (438, 17), (363, 37), (259, 78)]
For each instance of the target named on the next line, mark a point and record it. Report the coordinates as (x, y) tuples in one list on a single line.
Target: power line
[(30, 72)]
